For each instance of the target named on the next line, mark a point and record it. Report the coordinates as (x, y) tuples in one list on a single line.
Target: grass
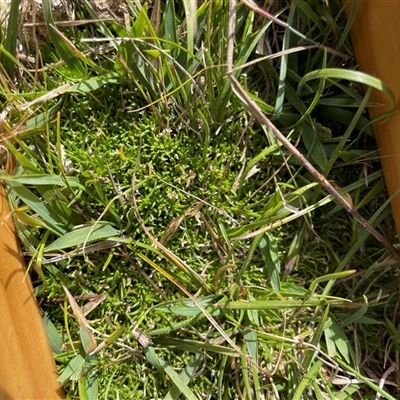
[(177, 248)]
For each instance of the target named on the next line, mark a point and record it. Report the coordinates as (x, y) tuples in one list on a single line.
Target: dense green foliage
[(141, 141)]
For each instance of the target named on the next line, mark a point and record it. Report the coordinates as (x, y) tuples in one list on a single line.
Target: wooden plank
[(27, 367), (376, 39)]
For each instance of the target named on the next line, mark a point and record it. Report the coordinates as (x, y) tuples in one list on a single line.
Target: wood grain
[(27, 367), (376, 39)]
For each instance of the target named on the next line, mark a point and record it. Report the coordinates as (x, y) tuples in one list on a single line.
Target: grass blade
[(11, 39), (80, 236), (162, 366), (62, 48), (187, 373), (270, 254), (354, 76)]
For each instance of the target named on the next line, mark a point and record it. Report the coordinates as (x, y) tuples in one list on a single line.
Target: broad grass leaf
[(270, 254), (49, 217), (262, 104), (318, 393), (188, 311), (142, 23), (377, 218), (346, 136), (293, 255), (10, 43), (171, 275), (342, 101), (39, 180), (372, 194), (355, 317), (169, 25), (394, 333), (343, 116), (162, 366), (295, 100), (80, 236), (62, 48), (87, 338), (186, 307), (330, 277), (306, 380), (282, 304), (73, 370), (38, 122), (101, 26), (306, 116), (309, 12), (347, 393), (187, 373), (191, 31), (358, 155), (110, 339), (275, 210), (323, 323), (128, 63), (196, 346), (27, 219), (354, 76), (253, 315), (337, 342), (247, 48), (255, 160), (55, 338), (251, 340), (23, 161), (92, 84), (82, 87), (204, 301), (313, 145), (284, 61), (367, 381), (89, 387)]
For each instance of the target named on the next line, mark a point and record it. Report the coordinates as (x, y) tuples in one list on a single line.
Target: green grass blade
[(62, 48), (191, 28), (313, 145), (353, 318), (316, 339), (73, 370), (170, 29), (49, 217), (195, 346), (55, 338), (367, 381), (11, 39), (88, 387), (280, 94), (278, 304), (78, 237), (101, 26), (349, 130), (25, 162), (270, 254), (187, 373), (354, 76), (330, 277), (40, 180), (248, 46), (337, 342), (306, 381), (162, 366)]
